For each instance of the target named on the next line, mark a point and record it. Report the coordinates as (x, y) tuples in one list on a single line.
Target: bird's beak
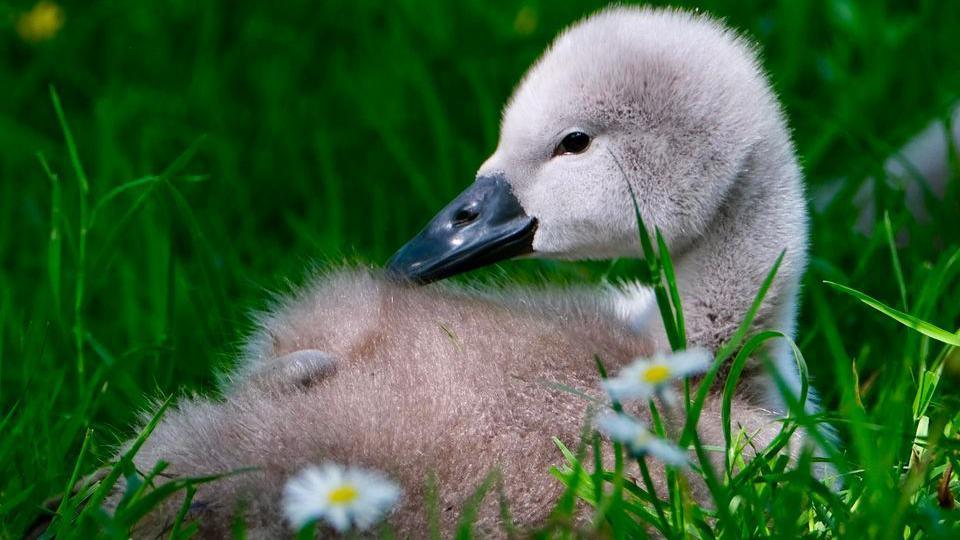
[(483, 225)]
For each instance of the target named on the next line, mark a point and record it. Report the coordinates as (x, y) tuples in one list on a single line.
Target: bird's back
[(424, 381)]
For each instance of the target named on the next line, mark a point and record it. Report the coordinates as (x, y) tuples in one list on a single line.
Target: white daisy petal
[(639, 440), (620, 427), (623, 388), (332, 472), (342, 497), (645, 377), (669, 397), (299, 501), (338, 518), (691, 361), (667, 453)]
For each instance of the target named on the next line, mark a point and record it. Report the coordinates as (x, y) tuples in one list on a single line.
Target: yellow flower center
[(40, 23), (343, 495), (641, 439), (656, 374)]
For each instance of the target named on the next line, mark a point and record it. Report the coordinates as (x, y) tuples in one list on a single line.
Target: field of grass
[(220, 149)]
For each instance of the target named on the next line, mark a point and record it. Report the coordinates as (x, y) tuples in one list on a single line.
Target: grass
[(216, 150)]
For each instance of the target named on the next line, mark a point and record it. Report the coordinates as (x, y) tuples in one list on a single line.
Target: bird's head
[(666, 103)]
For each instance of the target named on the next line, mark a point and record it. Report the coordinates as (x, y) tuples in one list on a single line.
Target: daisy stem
[(667, 415), (307, 532), (661, 424), (616, 496), (657, 504)]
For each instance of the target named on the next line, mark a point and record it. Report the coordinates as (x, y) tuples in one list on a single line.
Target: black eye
[(573, 143)]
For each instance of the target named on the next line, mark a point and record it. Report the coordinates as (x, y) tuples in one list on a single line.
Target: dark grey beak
[(483, 225)]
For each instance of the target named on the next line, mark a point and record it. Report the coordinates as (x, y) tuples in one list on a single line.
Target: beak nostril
[(465, 216), (483, 225)]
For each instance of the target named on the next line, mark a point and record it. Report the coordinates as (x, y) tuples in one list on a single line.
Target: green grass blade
[(733, 377), (432, 505), (54, 248), (671, 279), (650, 271), (927, 387), (144, 504), (652, 492), (905, 319), (107, 484), (895, 260), (666, 315), (176, 531), (646, 245), (693, 413), (116, 192), (597, 466), (71, 144), (744, 327), (68, 488), (471, 509), (78, 322)]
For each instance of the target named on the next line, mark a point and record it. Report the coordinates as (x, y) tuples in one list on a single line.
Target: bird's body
[(433, 381), (413, 381)]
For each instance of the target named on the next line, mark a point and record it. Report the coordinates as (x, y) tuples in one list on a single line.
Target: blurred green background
[(321, 131)]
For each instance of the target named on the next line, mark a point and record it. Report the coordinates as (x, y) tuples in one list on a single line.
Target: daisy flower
[(639, 440), (343, 497), (646, 377), (41, 23)]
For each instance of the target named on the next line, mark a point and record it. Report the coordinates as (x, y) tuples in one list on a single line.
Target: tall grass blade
[(54, 248), (733, 377), (693, 413), (905, 319), (68, 488), (176, 531), (671, 278), (78, 323), (895, 260), (71, 145), (127, 458), (432, 504), (471, 509)]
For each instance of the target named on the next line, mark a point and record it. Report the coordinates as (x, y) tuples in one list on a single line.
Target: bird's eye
[(573, 143)]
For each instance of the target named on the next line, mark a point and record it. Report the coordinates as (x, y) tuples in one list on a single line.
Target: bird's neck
[(720, 274)]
